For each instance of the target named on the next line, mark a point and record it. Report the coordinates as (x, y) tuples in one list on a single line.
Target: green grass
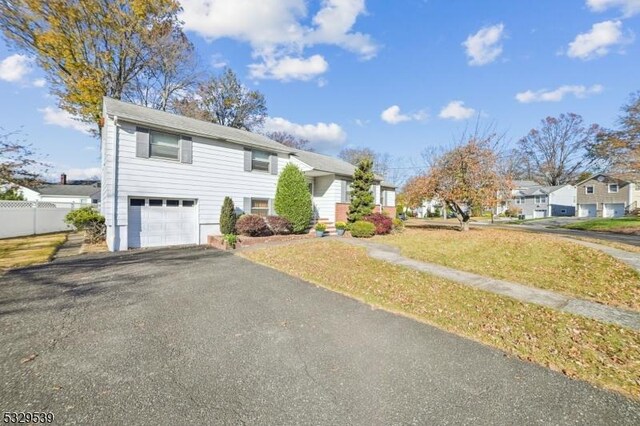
[(536, 260), (582, 348), (24, 251), (619, 224)]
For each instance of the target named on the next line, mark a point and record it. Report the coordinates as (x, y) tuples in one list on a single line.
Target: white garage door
[(157, 222), (613, 210), (537, 214), (587, 210)]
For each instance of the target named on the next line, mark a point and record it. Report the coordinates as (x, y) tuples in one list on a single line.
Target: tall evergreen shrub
[(228, 217), (362, 198), (293, 200)]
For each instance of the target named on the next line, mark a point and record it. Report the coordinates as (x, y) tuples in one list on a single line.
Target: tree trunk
[(464, 225)]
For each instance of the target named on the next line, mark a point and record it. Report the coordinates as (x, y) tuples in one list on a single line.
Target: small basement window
[(154, 202), (613, 187), (260, 206), (260, 160), (588, 189), (173, 203), (164, 145), (136, 202)]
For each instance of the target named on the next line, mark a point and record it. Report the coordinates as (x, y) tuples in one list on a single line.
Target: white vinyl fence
[(20, 218)]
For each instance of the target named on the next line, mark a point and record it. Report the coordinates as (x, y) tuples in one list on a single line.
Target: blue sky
[(394, 76)]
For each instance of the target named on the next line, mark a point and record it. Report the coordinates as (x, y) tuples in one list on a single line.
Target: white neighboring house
[(164, 177), (64, 194), (535, 201)]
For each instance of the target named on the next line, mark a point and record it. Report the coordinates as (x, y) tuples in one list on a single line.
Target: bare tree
[(172, 72), (618, 151), (290, 140), (558, 150), (18, 160), (391, 168), (224, 100)]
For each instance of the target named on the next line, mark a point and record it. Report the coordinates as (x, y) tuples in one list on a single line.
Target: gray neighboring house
[(538, 201), (607, 196)]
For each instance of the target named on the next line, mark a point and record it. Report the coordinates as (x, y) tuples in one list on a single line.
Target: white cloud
[(455, 110), (276, 31), (558, 94), (218, 61), (597, 41), (321, 135), (83, 174), (39, 82), (15, 67), (61, 118), (628, 7), (392, 115), (484, 46), (288, 68)]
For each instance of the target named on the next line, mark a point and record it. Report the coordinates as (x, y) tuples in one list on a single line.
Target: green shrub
[(293, 199), (228, 217), (362, 199), (362, 229), (341, 225), (230, 239), (398, 225), (89, 220)]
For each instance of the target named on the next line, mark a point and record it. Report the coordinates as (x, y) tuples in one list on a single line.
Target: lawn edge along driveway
[(602, 354)]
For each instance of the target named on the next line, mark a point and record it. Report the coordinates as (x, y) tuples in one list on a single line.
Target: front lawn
[(532, 259), (625, 225), (582, 348), (23, 251)]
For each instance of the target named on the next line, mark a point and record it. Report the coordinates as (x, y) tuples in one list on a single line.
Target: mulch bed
[(217, 242)]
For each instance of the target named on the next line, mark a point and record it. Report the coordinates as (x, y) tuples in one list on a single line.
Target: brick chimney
[(63, 179)]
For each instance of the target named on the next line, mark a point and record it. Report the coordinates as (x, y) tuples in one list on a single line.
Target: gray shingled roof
[(189, 126), (325, 163), (69, 190), (524, 183), (543, 189)]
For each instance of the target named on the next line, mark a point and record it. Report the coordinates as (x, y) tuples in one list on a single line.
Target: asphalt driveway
[(197, 335)]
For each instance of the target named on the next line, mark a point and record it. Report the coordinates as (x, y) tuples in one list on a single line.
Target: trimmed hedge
[(228, 217), (252, 225), (278, 225), (362, 229), (89, 220), (293, 200), (382, 222)]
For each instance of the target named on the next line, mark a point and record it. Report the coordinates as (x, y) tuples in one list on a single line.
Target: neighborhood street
[(199, 335)]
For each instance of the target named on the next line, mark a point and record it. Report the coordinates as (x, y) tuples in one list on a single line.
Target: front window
[(519, 200), (260, 206), (164, 145), (588, 189), (541, 199), (613, 187), (260, 160)]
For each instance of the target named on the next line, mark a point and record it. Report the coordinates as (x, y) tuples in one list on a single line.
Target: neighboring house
[(164, 177), (429, 207), (537, 201), (64, 194), (607, 196)]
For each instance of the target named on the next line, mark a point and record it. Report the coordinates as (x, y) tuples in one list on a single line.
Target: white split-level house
[(165, 176)]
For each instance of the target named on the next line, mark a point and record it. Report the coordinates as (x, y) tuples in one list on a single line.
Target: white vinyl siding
[(216, 171), (326, 193)]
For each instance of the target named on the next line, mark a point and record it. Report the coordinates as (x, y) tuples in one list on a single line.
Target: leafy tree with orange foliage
[(91, 49), (466, 177)]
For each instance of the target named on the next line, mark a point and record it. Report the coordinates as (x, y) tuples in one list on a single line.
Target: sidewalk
[(520, 292), (71, 247)]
